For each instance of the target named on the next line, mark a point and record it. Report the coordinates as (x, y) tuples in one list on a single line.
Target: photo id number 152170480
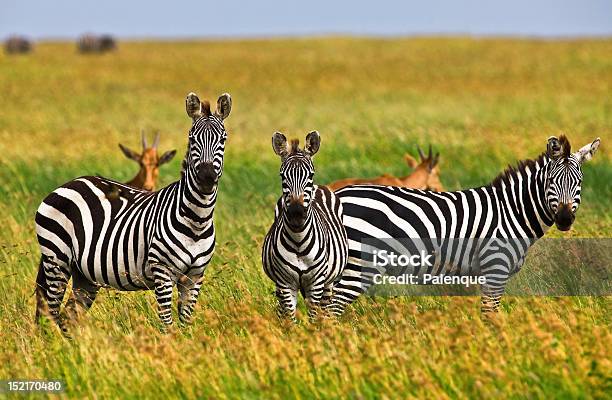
[(31, 385)]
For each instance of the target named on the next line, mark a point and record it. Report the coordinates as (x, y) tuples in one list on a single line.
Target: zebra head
[(297, 173), (564, 179), (204, 159)]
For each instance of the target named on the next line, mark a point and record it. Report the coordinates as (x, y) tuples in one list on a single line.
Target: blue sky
[(201, 18)]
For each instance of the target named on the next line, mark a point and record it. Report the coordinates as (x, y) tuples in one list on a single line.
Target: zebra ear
[(586, 152), (193, 106), (553, 148), (313, 142), (224, 106), (279, 144)]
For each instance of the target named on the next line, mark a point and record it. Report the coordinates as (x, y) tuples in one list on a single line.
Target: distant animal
[(484, 231), (137, 240), (425, 175), (107, 43), (149, 161), (17, 45), (96, 44), (305, 250)]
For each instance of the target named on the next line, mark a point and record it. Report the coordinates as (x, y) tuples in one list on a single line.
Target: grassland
[(481, 103)]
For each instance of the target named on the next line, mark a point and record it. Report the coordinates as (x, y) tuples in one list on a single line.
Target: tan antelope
[(149, 161), (425, 175)]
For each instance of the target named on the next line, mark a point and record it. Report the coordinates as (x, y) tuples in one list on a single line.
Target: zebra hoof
[(490, 318), (166, 329), (66, 330)]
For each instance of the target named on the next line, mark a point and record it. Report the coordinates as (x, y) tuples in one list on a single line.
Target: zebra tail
[(41, 288), (302, 290)]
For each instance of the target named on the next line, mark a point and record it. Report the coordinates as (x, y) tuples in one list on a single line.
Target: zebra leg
[(84, 293), (163, 280), (328, 292), (51, 283), (492, 292), (489, 303), (356, 279), (189, 289), (287, 302), (313, 299)]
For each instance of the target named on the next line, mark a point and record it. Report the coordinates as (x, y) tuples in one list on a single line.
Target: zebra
[(89, 43), (494, 224), (306, 247), (138, 240)]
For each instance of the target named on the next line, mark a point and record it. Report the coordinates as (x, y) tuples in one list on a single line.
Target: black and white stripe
[(305, 250), (104, 233), (485, 230)]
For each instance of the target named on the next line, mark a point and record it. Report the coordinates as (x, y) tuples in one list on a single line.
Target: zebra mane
[(565, 146), (511, 172), (206, 109), (295, 146)]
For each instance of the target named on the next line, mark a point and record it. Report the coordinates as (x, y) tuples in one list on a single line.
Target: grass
[(481, 103)]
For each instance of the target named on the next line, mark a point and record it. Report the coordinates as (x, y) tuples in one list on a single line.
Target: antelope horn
[(421, 155), (436, 159), (432, 162), (156, 141), (144, 139)]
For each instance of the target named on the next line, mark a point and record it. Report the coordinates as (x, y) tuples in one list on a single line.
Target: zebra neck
[(301, 237), (524, 200), (194, 207)]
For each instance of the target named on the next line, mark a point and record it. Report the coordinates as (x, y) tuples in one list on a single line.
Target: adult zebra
[(306, 248), (135, 240), (494, 224)]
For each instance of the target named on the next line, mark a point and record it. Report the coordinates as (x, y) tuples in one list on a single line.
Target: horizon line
[(324, 35)]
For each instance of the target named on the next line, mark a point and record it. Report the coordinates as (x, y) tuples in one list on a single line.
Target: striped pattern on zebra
[(504, 218), (135, 240), (305, 249)]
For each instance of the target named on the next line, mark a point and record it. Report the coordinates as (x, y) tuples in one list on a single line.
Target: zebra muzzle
[(207, 177), (296, 215), (564, 218)]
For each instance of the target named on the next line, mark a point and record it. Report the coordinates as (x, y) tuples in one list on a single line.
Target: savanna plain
[(483, 104)]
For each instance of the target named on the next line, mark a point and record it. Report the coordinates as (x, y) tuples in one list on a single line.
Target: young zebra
[(306, 248), (137, 240), (501, 220)]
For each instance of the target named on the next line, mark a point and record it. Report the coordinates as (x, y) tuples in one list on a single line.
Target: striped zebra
[(135, 240), (494, 224), (89, 43), (305, 249)]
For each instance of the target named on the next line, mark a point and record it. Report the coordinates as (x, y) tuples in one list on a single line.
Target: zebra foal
[(137, 240), (305, 250)]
